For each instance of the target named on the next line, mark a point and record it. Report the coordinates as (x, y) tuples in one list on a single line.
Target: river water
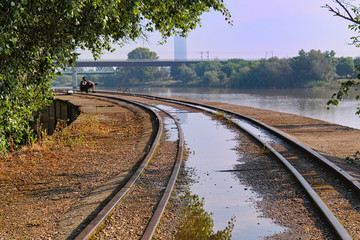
[(212, 156), (224, 194), (305, 102)]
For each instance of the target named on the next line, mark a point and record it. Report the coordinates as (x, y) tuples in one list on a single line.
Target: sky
[(261, 29)]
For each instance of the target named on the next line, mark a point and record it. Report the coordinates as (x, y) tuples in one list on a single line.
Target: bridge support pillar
[(74, 78)]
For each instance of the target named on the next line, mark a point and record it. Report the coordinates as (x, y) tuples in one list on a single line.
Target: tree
[(351, 13), (211, 79), (38, 36), (183, 73), (345, 66), (356, 61), (241, 78), (141, 75), (273, 73), (205, 66), (142, 53), (240, 73), (228, 68), (313, 66)]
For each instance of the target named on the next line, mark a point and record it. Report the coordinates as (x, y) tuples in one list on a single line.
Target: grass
[(66, 135), (222, 116), (354, 158)]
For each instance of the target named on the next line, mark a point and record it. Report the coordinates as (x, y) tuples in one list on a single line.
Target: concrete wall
[(59, 110)]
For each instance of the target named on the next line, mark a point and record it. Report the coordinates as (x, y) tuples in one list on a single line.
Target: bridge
[(127, 63), (136, 63)]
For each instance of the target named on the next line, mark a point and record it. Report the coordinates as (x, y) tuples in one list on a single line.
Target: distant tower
[(180, 50)]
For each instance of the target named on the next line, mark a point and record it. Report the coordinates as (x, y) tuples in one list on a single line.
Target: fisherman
[(85, 85)]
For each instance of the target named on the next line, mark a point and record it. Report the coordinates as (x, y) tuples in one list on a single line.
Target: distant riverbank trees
[(308, 69)]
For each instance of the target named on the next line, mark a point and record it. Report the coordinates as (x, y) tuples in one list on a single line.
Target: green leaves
[(142, 53), (34, 35), (344, 90)]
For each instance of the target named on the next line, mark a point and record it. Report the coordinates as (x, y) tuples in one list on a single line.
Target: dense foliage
[(313, 68), (38, 36)]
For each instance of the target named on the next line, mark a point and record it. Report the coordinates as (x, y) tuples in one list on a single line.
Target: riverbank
[(40, 186), (333, 141), (305, 102)]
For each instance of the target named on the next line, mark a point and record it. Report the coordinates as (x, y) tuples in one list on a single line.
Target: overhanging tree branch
[(348, 16), (59, 28)]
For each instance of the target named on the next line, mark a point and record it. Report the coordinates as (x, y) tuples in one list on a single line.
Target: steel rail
[(332, 220), (150, 230), (90, 229), (151, 227), (355, 184), (330, 217)]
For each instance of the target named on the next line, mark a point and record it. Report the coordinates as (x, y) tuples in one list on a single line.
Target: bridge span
[(131, 63), (136, 63)]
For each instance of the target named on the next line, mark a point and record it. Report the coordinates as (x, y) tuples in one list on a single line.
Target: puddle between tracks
[(211, 146)]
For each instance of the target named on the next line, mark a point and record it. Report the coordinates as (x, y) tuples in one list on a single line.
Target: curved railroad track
[(162, 192), (314, 173)]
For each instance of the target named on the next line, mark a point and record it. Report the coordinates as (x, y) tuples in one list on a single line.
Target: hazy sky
[(261, 28)]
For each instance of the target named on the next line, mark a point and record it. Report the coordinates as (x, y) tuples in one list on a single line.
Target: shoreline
[(333, 141)]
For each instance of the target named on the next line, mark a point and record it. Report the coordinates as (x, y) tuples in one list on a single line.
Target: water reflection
[(171, 129), (213, 145), (306, 102), (198, 223)]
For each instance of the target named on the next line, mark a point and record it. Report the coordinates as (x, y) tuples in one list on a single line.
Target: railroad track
[(146, 177), (315, 174)]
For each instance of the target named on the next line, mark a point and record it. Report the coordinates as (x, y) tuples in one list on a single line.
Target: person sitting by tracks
[(85, 85)]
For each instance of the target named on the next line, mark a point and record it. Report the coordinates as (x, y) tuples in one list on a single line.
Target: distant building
[(180, 48)]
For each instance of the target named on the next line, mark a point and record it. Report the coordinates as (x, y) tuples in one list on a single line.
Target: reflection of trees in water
[(198, 224)]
